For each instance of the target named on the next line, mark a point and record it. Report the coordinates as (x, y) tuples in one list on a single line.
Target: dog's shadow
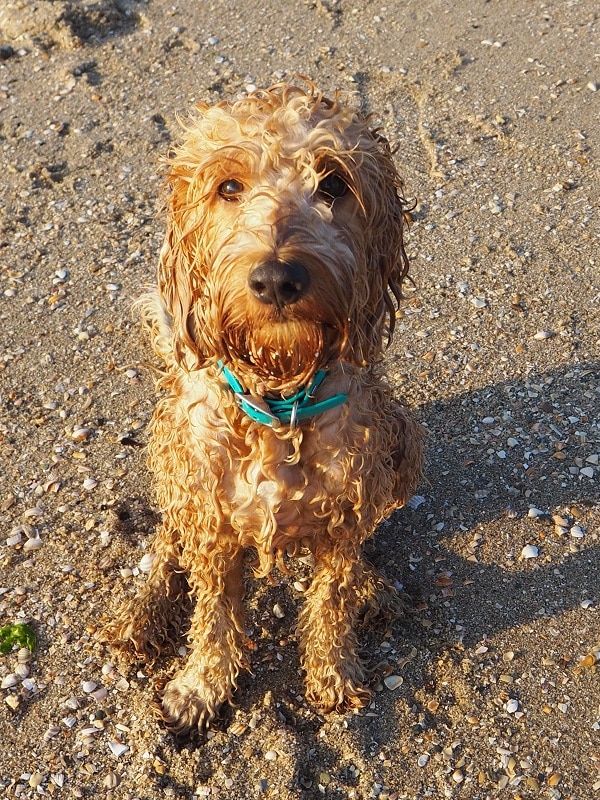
[(502, 462)]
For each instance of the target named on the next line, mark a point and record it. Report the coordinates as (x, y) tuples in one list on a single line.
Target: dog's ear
[(379, 191), (181, 276), (390, 222)]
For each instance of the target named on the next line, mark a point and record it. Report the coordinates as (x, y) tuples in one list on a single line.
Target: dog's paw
[(188, 705), (336, 693)]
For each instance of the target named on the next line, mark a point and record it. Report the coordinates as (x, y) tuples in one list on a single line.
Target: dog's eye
[(332, 186), (230, 189)]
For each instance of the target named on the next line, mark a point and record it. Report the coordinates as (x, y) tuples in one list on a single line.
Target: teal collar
[(284, 411)]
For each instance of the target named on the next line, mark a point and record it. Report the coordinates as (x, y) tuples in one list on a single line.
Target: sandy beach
[(489, 688)]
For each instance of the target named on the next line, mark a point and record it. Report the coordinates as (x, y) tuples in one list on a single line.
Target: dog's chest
[(261, 480)]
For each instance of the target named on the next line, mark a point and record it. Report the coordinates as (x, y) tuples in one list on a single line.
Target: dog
[(278, 282)]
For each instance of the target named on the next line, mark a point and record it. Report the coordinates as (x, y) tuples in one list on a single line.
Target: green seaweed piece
[(21, 635)]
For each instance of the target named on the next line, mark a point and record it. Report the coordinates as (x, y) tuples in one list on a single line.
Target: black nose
[(279, 283)]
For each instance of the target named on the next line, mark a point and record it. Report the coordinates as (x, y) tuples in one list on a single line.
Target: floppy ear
[(181, 271), (389, 224), (379, 191)]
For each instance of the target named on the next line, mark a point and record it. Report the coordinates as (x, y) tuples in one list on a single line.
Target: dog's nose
[(279, 283)]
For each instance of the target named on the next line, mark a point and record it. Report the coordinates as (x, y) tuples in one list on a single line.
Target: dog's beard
[(282, 356)]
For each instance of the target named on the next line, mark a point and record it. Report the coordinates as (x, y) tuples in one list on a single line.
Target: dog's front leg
[(208, 678), (334, 672)]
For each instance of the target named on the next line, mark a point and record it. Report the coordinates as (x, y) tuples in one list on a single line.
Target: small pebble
[(393, 681)]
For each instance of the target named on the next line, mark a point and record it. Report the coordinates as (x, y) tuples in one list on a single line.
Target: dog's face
[(284, 236)]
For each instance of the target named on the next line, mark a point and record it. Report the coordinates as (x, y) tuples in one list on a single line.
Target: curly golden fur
[(283, 251)]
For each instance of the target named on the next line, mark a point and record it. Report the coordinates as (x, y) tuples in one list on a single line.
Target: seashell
[(81, 434), (89, 484), (22, 670), (146, 562), (238, 728), (33, 512), (416, 501), (118, 749), (33, 544), (89, 686), (35, 780), (535, 512), (512, 706), (111, 781), (51, 733), (478, 302), (9, 681), (530, 551)]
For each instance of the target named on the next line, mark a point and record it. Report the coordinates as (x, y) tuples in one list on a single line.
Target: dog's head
[(284, 237)]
